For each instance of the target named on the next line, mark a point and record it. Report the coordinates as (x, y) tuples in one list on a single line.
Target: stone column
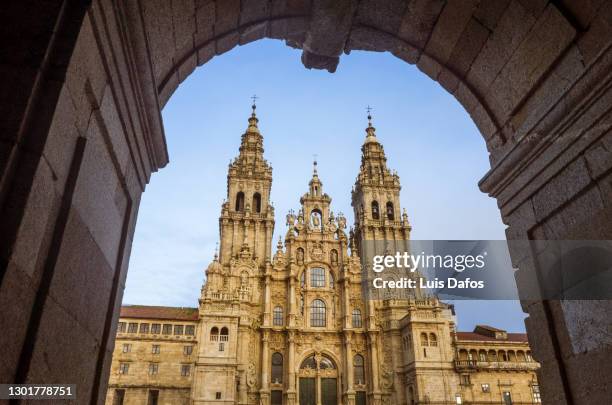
[(291, 300), (375, 394), (291, 393), (264, 392), (347, 303), (349, 394), (243, 355), (267, 298)]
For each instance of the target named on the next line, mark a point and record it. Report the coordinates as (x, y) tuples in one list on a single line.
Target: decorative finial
[(314, 164), (254, 106), (369, 110), (279, 245), (216, 251)]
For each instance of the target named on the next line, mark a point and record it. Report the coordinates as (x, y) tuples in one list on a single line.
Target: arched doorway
[(87, 82), (318, 380)]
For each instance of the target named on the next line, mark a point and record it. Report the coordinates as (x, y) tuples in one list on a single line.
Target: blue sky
[(428, 137)]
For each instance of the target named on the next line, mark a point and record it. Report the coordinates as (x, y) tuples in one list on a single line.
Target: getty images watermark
[(482, 269)]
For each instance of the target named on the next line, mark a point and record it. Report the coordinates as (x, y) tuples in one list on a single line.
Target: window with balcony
[(190, 330), (178, 329), (121, 327), (214, 334), (144, 328), (132, 327), (155, 328), (433, 340), (224, 335)]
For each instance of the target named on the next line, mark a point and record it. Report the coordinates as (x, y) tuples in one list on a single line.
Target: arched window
[(240, 201), (326, 363), (224, 335), (277, 368), (390, 212), (278, 316), (309, 363), (214, 334), (303, 279), (433, 340), (482, 355), (356, 318), (375, 210), (317, 313), (257, 202), (317, 277), (358, 369), (424, 339)]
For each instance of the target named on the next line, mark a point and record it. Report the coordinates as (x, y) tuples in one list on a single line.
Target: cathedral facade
[(289, 322)]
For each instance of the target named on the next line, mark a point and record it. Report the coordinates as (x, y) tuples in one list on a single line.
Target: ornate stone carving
[(386, 376), (316, 251), (251, 375)]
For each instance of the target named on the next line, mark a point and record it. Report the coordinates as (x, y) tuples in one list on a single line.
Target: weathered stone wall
[(82, 133)]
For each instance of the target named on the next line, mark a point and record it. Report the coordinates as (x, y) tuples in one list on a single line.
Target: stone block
[(81, 263), (566, 184), (18, 293), (510, 30), (419, 20), (183, 23), (157, 16), (227, 42), (550, 37), (488, 13), (187, 66), (227, 15), (590, 43), (37, 224), (206, 53), (95, 193), (468, 47), (451, 23), (252, 11), (205, 21), (64, 352), (253, 32), (386, 15)]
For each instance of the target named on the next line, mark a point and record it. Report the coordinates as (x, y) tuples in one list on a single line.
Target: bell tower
[(376, 199), (247, 217)]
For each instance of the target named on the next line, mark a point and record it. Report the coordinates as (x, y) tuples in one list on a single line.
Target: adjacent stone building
[(294, 326)]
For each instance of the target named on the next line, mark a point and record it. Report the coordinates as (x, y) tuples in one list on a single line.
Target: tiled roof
[(512, 337), (154, 312)]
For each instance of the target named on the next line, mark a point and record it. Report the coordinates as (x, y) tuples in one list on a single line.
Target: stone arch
[(90, 87), (311, 352)]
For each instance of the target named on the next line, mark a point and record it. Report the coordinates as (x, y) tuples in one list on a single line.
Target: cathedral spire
[(370, 130)]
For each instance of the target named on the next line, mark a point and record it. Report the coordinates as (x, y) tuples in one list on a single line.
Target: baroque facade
[(295, 326)]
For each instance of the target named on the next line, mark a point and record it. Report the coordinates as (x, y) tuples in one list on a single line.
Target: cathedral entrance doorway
[(318, 376)]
